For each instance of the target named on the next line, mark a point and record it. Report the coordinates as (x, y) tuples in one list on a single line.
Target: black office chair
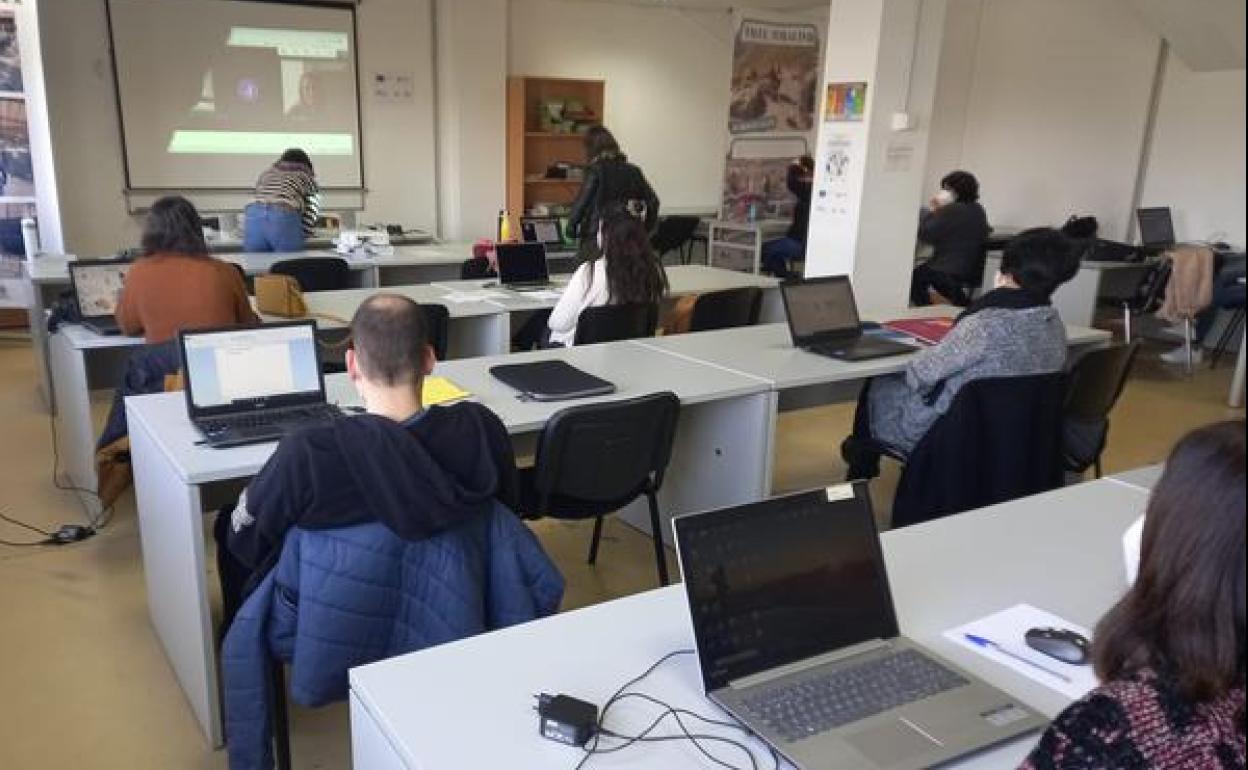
[(1093, 387), (675, 233), (594, 460), (726, 309), (476, 269), (612, 323), (316, 273), (1227, 336), (438, 319)]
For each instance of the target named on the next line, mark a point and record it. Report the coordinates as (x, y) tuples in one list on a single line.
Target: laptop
[(545, 230), (823, 319), (253, 385), (1156, 229), (522, 266), (797, 637), (97, 287)]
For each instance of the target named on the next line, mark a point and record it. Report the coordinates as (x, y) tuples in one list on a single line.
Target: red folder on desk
[(928, 330)]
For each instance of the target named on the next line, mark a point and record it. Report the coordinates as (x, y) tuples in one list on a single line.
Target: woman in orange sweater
[(177, 284)]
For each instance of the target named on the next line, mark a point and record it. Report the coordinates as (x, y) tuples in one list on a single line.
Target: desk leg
[(773, 308), (722, 457), (366, 279), (369, 746), (1237, 383), (37, 314), (75, 429), (488, 335), (171, 531)]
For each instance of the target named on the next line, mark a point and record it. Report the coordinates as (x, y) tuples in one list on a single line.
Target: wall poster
[(775, 78)]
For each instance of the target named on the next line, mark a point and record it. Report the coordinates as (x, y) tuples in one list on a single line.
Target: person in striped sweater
[(285, 208)]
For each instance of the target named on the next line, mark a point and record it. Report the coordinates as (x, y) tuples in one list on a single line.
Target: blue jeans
[(1228, 294), (778, 254), (271, 228)]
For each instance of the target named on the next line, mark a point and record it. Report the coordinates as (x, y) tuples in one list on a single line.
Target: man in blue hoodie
[(418, 471)]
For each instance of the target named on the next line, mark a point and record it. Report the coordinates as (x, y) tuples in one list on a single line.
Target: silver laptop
[(254, 385), (797, 637), (97, 288)]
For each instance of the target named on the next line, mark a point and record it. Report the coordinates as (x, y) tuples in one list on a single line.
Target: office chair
[(476, 269), (594, 460), (1093, 388), (675, 233), (726, 309), (438, 319), (612, 323), (316, 273)]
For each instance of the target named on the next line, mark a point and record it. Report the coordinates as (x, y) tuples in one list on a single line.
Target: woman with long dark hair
[(626, 271), (177, 284), (1171, 653), (610, 181)]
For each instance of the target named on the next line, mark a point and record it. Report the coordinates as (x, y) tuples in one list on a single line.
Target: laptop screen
[(542, 230), (821, 306), (1156, 227), (522, 263), (98, 287), (783, 580), (238, 370)]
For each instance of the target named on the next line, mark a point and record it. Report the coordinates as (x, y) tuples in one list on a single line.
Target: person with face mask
[(955, 225)]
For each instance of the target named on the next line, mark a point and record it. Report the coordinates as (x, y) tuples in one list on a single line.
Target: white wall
[(667, 73), (398, 142), (1058, 101), (1197, 160)]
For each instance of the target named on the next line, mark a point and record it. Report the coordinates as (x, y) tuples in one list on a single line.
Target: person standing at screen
[(285, 207), (610, 181)]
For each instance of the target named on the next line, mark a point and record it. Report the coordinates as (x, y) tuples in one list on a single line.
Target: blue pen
[(980, 641)]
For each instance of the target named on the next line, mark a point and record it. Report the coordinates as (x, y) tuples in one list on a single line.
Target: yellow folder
[(439, 390)]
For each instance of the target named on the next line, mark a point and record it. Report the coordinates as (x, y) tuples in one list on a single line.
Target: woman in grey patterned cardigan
[(1013, 331)]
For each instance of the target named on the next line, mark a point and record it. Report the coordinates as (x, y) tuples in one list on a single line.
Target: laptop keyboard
[(827, 701), (271, 419), (829, 349)]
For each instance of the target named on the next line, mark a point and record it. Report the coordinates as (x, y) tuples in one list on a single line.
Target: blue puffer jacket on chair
[(340, 598)]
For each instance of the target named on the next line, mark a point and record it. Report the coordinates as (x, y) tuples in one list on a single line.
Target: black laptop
[(97, 288), (253, 385), (545, 230), (1156, 229), (522, 266), (823, 319)]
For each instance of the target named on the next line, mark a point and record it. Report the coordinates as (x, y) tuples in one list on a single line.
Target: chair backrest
[(604, 453), (439, 320), (475, 269), (1151, 291), (611, 323), (1096, 382), (316, 273), (726, 309), (674, 232), (1000, 440)]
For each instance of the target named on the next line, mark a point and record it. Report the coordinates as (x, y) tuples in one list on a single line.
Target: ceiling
[(1207, 35), (765, 5)]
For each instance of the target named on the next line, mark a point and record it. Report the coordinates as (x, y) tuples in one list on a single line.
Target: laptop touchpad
[(891, 744)]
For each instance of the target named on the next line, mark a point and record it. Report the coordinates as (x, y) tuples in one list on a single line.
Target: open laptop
[(97, 287), (522, 266), (797, 637), (823, 319), (545, 230), (253, 385), (1156, 229)]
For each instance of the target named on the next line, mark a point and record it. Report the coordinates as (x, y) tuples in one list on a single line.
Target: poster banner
[(756, 189), (775, 78)]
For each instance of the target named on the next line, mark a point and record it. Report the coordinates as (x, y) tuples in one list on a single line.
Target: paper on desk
[(473, 296), (1008, 628), (439, 390), (544, 294)]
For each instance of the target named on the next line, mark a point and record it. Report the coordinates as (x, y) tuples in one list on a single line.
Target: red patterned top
[(1142, 723)]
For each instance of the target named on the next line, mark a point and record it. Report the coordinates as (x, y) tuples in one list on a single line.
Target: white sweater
[(579, 294)]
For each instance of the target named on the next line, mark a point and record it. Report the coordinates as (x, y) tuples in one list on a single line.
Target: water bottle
[(30, 238)]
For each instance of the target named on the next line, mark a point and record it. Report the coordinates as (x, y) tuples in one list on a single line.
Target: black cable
[(95, 522), (24, 525), (686, 734)]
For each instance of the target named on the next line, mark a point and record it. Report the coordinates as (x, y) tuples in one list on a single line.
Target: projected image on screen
[(211, 92)]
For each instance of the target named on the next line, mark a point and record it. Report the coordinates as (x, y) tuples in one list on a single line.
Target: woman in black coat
[(610, 180)]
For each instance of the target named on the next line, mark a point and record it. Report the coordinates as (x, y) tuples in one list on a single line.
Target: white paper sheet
[(1008, 629), (459, 297)]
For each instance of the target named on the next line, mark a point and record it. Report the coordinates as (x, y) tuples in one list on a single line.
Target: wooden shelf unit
[(531, 149)]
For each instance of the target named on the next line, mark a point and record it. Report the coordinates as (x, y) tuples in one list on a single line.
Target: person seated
[(956, 227), (177, 284), (779, 254), (1012, 331), (1228, 294), (623, 270), (1170, 654), (418, 471)]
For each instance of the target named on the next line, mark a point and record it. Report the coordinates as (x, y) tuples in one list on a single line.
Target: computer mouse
[(1060, 644)]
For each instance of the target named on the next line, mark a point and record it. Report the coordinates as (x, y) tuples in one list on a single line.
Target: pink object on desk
[(928, 330)]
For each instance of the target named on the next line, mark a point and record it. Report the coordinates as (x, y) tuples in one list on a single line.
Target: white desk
[(1059, 551), (1141, 478), (1076, 299), (722, 456)]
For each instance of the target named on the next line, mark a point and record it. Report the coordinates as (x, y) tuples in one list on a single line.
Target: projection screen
[(212, 91)]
